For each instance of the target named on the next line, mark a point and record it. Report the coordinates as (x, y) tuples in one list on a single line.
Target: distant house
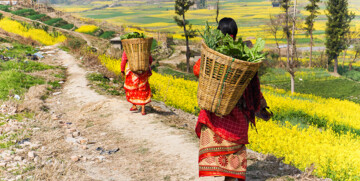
[(116, 43), (115, 49), (211, 7), (193, 7), (8, 2)]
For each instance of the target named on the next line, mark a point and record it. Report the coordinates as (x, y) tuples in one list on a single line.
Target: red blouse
[(233, 127)]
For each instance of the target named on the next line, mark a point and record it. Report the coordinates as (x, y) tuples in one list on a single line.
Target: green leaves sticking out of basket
[(226, 45)]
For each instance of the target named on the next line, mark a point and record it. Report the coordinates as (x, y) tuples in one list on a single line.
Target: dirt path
[(171, 152)]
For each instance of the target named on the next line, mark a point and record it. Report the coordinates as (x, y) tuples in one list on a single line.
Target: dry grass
[(14, 37)]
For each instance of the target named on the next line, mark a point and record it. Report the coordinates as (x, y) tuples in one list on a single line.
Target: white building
[(8, 2)]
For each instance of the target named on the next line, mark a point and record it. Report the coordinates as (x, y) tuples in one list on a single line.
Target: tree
[(337, 27), (293, 52), (351, 37), (357, 53), (275, 27), (355, 41), (285, 6), (181, 7), (217, 11), (313, 8), (290, 64)]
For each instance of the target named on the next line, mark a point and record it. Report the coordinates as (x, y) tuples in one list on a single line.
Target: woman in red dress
[(136, 86), (222, 139)]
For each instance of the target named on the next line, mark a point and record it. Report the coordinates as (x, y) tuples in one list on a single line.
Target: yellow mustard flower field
[(26, 30), (87, 29), (326, 131)]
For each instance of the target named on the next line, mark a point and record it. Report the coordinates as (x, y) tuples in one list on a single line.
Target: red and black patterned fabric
[(233, 127)]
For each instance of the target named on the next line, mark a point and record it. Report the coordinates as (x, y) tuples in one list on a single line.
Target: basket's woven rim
[(135, 40), (226, 58)]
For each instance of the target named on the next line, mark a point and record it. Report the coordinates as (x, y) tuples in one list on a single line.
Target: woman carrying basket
[(222, 139), (136, 86)]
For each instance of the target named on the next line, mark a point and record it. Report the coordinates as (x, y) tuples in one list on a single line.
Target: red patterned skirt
[(137, 88), (219, 157)]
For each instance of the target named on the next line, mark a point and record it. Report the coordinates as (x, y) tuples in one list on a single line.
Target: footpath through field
[(149, 150)]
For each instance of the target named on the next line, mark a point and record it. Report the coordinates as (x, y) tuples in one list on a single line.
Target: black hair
[(228, 26)]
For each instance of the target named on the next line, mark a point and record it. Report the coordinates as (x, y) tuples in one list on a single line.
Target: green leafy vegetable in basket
[(132, 35), (226, 45)]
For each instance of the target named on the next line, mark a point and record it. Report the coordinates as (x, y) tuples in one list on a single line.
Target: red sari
[(222, 139), (137, 88)]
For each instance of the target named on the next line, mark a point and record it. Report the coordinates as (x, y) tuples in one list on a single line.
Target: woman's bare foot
[(133, 108), (143, 110)]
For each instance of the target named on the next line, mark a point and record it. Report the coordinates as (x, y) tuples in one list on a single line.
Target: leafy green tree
[(338, 25), (181, 7), (313, 8)]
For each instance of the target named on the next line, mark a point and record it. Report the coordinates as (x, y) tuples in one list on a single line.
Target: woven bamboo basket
[(222, 80), (138, 52)]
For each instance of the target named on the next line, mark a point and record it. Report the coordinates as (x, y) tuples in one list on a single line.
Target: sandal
[(133, 109), (143, 113)]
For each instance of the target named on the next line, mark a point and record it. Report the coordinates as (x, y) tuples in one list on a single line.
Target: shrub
[(74, 43), (45, 28), (107, 34), (5, 8), (45, 18), (37, 16), (60, 23), (183, 66), (36, 25), (67, 26), (154, 44), (87, 29), (25, 12), (52, 21), (354, 75)]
